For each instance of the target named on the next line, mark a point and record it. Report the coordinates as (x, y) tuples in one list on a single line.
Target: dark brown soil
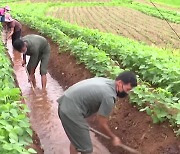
[(133, 127), (65, 68), (137, 130)]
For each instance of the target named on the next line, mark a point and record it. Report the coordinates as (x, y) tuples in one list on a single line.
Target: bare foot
[(44, 91)]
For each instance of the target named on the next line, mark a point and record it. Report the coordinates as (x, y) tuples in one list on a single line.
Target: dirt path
[(122, 21)]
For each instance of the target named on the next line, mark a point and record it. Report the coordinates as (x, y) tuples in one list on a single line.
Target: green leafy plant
[(172, 16), (15, 132)]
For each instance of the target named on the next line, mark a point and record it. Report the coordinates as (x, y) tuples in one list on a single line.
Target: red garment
[(15, 24)]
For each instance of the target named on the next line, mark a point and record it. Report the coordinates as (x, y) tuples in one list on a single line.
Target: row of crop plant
[(158, 103), (15, 131)]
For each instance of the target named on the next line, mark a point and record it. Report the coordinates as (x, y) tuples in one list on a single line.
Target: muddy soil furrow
[(119, 25), (104, 18), (80, 16), (71, 15), (90, 22), (97, 16), (75, 15), (138, 31), (150, 35), (62, 14)]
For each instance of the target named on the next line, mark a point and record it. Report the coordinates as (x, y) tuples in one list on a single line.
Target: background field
[(121, 21)]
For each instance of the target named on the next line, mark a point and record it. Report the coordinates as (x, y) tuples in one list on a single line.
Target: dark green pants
[(74, 125), (43, 57)]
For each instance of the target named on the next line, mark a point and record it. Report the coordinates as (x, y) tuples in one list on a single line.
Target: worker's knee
[(43, 67), (43, 71)]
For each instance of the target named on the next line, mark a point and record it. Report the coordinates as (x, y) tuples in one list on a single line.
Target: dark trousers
[(2, 18), (16, 35)]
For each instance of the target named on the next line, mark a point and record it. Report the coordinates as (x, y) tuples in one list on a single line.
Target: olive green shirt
[(95, 95), (35, 46)]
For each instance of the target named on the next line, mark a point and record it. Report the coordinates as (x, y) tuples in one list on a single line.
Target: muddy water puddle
[(43, 110)]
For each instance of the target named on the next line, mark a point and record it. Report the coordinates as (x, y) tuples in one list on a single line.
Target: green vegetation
[(161, 68), (15, 132), (172, 16), (159, 103), (168, 2)]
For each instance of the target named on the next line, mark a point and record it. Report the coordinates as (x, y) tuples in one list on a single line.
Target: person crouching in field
[(95, 95), (37, 47)]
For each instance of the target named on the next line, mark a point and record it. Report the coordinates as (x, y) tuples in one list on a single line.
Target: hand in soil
[(116, 141)]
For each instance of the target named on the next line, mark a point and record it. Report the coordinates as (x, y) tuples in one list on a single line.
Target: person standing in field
[(38, 48), (95, 95), (3, 13), (14, 27)]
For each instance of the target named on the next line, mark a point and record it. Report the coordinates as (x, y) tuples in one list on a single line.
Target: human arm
[(103, 126), (10, 33), (105, 109)]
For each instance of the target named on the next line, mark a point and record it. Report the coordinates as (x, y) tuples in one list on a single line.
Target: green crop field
[(107, 37), (169, 2)]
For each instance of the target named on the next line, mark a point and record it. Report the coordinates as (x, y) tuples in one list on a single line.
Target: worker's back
[(92, 95)]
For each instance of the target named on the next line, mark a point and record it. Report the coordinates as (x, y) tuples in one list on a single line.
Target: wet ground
[(43, 110)]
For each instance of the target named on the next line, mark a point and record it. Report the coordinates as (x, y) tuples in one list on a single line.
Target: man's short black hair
[(18, 44), (127, 77)]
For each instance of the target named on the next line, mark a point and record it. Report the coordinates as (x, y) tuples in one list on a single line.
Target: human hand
[(8, 37), (116, 141)]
